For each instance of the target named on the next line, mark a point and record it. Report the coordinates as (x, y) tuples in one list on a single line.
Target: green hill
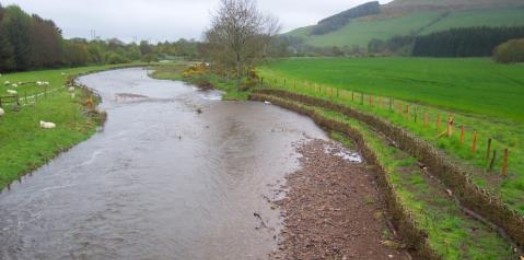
[(413, 17)]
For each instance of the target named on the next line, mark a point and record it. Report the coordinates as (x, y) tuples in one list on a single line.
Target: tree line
[(29, 42), (465, 42)]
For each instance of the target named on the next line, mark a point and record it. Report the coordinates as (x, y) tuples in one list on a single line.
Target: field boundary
[(450, 172), (402, 220)]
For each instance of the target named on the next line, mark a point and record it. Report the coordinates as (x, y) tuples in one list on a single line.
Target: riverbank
[(333, 209), (24, 146)]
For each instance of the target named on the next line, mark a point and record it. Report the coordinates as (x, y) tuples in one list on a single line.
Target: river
[(175, 173)]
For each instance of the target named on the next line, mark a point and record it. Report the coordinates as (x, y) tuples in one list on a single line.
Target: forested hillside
[(412, 18)]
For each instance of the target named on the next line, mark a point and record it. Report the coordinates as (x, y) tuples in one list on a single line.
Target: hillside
[(418, 17)]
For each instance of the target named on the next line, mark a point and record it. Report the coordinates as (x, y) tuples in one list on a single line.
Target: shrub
[(511, 51)]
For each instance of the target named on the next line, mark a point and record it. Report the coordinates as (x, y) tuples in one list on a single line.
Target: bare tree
[(239, 36)]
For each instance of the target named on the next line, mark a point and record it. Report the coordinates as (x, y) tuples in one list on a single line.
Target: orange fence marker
[(474, 145), (505, 164)]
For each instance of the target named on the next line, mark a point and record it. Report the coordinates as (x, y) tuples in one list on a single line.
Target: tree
[(239, 36)]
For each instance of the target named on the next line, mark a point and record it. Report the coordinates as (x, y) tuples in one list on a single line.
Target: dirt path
[(333, 210)]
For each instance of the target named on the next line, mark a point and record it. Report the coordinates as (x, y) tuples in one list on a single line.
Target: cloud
[(160, 20)]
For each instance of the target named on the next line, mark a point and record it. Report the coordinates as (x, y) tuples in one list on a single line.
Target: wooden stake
[(371, 100), (474, 145), (489, 149), (352, 96), (391, 101), (416, 114), (362, 98), (462, 135), (505, 163), (492, 163), (407, 112), (426, 120), (438, 123), (450, 126), (337, 92)]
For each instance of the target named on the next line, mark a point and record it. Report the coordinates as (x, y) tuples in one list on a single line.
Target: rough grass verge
[(450, 172), (431, 231)]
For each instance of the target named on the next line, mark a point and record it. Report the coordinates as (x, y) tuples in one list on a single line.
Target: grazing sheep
[(267, 102), (14, 85), (12, 92), (71, 89), (7, 82), (2, 112), (47, 125)]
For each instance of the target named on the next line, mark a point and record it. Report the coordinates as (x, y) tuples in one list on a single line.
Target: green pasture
[(361, 31), (483, 96), (24, 146)]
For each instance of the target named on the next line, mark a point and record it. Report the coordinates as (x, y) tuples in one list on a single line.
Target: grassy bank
[(429, 220), (24, 146), (178, 71), (344, 80)]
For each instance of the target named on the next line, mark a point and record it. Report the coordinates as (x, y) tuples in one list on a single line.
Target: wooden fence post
[(492, 163), (462, 135), (426, 119), (407, 112), (362, 98), (391, 101), (450, 126), (438, 123), (474, 144), (489, 149), (505, 163), (416, 114)]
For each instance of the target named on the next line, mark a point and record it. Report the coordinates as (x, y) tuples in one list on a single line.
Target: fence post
[(352, 96), (462, 135), (416, 114), (391, 101), (362, 98), (505, 163), (337, 92), (474, 145), (450, 126), (426, 119), (407, 112), (489, 149), (438, 123), (492, 163)]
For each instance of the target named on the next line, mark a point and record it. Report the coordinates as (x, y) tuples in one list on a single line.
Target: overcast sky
[(160, 20)]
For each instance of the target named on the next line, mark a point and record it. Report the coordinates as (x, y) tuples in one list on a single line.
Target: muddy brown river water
[(160, 180)]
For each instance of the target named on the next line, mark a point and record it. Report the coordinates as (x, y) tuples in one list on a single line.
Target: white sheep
[(14, 85), (47, 125), (39, 83), (12, 92), (7, 82), (2, 112), (71, 89)]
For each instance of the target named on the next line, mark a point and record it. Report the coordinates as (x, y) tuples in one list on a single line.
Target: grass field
[(483, 96), (24, 146), (383, 27)]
